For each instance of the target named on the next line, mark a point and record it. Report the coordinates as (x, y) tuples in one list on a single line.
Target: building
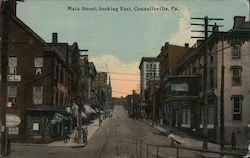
[(234, 44), (42, 82), (149, 73), (168, 58), (92, 87)]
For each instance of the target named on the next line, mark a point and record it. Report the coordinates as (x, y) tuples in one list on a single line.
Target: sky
[(117, 40)]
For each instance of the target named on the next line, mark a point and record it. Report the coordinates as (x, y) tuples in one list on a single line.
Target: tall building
[(149, 74), (169, 56)]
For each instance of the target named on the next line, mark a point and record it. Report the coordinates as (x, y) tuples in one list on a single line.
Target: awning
[(89, 109), (59, 118), (84, 115), (74, 109)]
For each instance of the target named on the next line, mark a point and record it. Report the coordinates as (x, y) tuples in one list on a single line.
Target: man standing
[(85, 135), (233, 140), (65, 134)]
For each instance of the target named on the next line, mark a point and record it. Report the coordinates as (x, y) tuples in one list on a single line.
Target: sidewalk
[(183, 138), (92, 127)]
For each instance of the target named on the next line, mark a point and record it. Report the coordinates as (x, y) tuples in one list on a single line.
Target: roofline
[(145, 59), (28, 30)]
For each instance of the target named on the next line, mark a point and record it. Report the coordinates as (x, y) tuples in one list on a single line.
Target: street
[(115, 138)]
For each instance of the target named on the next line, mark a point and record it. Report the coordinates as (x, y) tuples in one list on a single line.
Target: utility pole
[(222, 128), (153, 97), (98, 98), (205, 74), (80, 79), (4, 63)]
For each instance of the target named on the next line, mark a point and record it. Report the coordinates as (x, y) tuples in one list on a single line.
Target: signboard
[(14, 78), (180, 87), (12, 120)]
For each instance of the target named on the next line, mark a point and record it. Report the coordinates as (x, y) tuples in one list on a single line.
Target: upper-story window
[(12, 65), (236, 51), (12, 90), (147, 66), (37, 94), (236, 75), (38, 65)]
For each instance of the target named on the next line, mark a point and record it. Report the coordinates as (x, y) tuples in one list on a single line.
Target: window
[(236, 51), (12, 65), (38, 65), (236, 75), (37, 94), (12, 89), (237, 107), (13, 130)]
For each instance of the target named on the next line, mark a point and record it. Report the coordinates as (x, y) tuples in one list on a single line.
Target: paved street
[(115, 138)]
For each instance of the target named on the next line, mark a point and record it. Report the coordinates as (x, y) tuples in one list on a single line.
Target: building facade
[(168, 58), (234, 44), (149, 73), (42, 83)]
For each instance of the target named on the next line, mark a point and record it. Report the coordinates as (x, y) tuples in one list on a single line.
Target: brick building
[(41, 82), (187, 114)]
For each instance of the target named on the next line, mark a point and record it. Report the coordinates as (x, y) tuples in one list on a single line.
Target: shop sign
[(14, 78), (12, 120)]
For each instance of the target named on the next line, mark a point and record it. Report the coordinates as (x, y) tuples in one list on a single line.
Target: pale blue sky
[(118, 40), (126, 35)]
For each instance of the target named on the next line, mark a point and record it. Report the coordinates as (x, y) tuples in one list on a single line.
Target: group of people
[(75, 134)]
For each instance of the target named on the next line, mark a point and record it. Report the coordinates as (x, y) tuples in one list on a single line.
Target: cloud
[(183, 35), (124, 76), (245, 2)]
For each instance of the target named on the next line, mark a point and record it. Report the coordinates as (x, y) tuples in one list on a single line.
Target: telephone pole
[(4, 63), (205, 74)]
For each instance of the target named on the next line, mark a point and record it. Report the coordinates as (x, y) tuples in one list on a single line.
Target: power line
[(121, 73), (124, 80)]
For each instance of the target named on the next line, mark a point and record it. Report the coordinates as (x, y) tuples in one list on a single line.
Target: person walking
[(233, 140), (65, 134), (75, 134), (85, 135)]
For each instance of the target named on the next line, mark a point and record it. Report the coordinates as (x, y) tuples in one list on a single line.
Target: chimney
[(238, 20), (13, 7), (54, 38)]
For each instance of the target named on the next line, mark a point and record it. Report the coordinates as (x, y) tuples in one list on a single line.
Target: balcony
[(179, 88)]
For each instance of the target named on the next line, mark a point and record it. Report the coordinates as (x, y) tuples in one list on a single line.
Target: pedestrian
[(75, 134), (65, 134), (233, 140), (85, 135)]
